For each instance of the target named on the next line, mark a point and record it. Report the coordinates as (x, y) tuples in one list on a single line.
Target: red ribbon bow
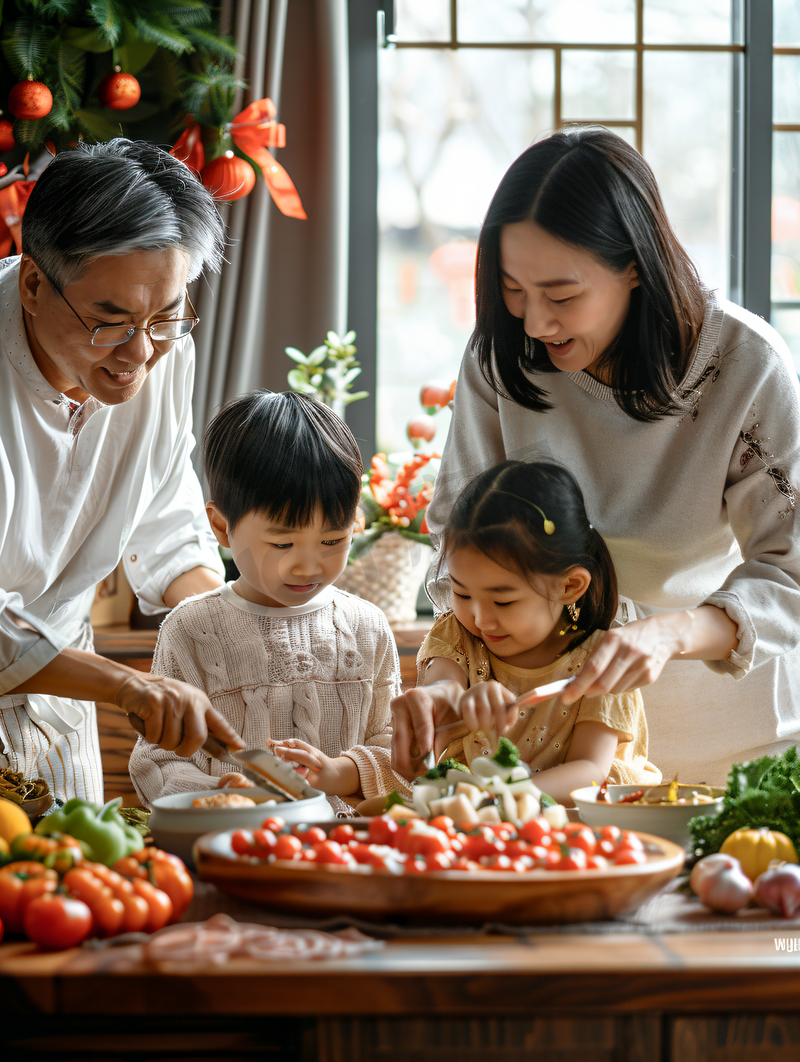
[(253, 130)]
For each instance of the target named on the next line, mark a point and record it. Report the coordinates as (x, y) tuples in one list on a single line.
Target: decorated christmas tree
[(146, 69)]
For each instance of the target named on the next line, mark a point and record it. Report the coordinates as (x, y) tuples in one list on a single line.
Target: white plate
[(661, 820)]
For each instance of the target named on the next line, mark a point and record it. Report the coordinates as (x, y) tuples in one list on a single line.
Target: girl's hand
[(485, 707), (635, 655), (334, 776), (235, 781)]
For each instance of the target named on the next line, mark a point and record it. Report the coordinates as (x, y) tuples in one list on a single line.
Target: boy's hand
[(235, 781), (333, 776), (485, 707)]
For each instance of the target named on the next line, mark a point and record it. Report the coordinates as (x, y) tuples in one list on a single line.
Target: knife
[(258, 765)]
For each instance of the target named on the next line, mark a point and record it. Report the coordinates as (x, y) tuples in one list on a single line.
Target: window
[(465, 86)]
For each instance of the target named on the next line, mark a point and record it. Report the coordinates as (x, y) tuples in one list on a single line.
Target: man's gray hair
[(117, 198)]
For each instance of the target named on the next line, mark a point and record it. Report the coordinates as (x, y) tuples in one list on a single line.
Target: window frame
[(371, 26)]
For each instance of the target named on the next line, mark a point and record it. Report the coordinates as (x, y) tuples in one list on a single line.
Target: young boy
[(281, 653)]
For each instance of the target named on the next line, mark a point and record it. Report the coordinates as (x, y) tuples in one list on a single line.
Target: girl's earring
[(573, 612)]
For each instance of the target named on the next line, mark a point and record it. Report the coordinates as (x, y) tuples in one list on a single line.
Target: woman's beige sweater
[(698, 507)]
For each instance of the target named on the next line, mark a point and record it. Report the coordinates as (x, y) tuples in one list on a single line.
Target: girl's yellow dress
[(543, 733)]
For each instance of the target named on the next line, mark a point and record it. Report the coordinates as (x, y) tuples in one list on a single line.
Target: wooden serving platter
[(449, 896)]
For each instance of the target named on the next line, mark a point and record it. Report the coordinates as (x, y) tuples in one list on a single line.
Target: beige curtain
[(285, 283)]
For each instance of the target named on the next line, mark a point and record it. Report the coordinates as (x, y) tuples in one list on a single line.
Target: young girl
[(534, 589), (281, 653)]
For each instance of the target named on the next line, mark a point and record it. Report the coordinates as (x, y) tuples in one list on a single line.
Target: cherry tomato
[(538, 855), (342, 834), (610, 833), (53, 921), (462, 863), (382, 830), (438, 861), (558, 837), (330, 852), (445, 824), (158, 903), (605, 848), (581, 837), (629, 855), (137, 912), (1, 931), (518, 848), (572, 859), (415, 865), (483, 843), (287, 847), (242, 842), (596, 862), (628, 839), (108, 912), (536, 830), (497, 862), (274, 823), (427, 843), (313, 835), (264, 842), (552, 859)]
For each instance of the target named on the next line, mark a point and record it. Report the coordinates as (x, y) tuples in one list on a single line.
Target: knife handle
[(213, 746)]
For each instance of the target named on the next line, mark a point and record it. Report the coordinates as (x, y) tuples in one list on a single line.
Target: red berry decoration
[(228, 177), (119, 91), (6, 135), (30, 99)]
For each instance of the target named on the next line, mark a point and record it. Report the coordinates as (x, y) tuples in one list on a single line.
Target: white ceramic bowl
[(662, 820), (176, 825)]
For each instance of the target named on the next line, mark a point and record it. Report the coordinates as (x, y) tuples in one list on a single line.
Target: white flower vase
[(389, 575)]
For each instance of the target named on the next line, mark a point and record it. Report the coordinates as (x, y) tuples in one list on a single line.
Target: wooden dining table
[(577, 996)]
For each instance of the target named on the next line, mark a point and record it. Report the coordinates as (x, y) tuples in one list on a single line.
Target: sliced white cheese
[(528, 807), (471, 792), (489, 814), (556, 815), (400, 811)]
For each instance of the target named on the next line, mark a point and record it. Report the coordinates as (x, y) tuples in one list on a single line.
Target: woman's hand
[(485, 707), (334, 776), (415, 716), (634, 655), (234, 780)]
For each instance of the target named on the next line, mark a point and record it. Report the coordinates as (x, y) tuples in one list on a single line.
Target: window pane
[(422, 20), (597, 85), (687, 133), (786, 22), (787, 322), (689, 22), (570, 21), (786, 217), (450, 125), (786, 88)]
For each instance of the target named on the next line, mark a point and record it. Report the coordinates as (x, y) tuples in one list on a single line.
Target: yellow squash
[(756, 849), (13, 820)]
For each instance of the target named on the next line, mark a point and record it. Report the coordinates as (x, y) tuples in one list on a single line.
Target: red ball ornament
[(228, 177), (6, 135), (30, 99), (119, 91)]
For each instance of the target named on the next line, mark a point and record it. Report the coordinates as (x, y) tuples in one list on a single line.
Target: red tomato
[(605, 848), (535, 830), (427, 843), (483, 843), (629, 855), (159, 905), (287, 847), (331, 852), (274, 823), (462, 863), (498, 862), (242, 842), (1, 931), (581, 837), (610, 833), (108, 913), (558, 837), (20, 883), (342, 834), (628, 839), (313, 835), (382, 830), (445, 824), (518, 848), (538, 855), (572, 859), (415, 865), (552, 859), (54, 922), (263, 843), (438, 861), (596, 862)]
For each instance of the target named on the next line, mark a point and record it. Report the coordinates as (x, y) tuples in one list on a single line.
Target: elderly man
[(96, 371)]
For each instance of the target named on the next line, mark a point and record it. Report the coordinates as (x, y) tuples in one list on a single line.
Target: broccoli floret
[(392, 799), (441, 769), (507, 755)]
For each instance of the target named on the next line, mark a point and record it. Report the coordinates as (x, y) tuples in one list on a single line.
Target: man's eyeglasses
[(159, 331)]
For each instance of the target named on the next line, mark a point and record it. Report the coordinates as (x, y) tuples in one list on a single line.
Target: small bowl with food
[(663, 810), (178, 820)]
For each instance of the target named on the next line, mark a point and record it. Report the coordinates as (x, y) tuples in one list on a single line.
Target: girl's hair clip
[(549, 526)]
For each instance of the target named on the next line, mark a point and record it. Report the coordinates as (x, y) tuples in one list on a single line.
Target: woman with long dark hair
[(598, 347)]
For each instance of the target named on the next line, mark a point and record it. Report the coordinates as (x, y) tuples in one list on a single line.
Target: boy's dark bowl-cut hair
[(285, 455), (498, 514), (590, 189)]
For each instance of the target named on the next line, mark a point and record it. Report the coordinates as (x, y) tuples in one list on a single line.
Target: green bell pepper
[(102, 828)]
